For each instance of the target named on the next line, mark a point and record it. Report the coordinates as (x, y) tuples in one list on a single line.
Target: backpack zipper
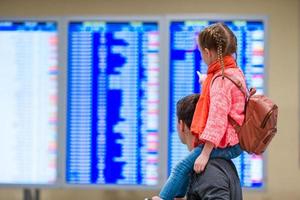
[(263, 124)]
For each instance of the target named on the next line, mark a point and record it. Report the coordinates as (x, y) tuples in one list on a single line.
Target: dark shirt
[(218, 181)]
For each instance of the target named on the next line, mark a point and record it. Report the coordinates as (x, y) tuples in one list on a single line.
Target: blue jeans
[(177, 183)]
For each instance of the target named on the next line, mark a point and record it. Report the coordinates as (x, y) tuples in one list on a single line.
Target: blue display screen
[(28, 26), (185, 60), (28, 85), (112, 103)]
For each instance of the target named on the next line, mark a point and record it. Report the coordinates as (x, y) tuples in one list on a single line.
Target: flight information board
[(113, 98), (185, 60), (28, 102)]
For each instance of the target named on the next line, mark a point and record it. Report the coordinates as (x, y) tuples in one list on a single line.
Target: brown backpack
[(259, 126)]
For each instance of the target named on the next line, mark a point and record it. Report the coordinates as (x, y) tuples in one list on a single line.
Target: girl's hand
[(156, 198), (201, 77), (201, 163)]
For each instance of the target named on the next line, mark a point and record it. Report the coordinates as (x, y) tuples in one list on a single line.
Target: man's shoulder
[(217, 167), (221, 163), (219, 180)]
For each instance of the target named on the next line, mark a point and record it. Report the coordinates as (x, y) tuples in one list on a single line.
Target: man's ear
[(181, 126)]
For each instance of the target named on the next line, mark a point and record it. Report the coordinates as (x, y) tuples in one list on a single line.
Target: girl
[(216, 136)]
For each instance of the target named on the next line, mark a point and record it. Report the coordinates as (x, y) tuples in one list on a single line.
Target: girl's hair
[(220, 38)]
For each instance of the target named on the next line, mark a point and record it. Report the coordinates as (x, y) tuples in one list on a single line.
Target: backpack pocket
[(264, 142)]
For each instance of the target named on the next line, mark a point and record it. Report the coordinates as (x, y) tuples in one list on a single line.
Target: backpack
[(259, 125)]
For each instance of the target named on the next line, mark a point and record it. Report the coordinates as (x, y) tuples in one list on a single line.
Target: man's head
[(185, 112)]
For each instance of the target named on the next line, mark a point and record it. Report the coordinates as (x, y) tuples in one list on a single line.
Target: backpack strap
[(235, 81), (234, 124), (239, 85)]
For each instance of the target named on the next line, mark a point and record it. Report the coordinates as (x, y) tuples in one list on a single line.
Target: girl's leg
[(227, 153), (177, 182)]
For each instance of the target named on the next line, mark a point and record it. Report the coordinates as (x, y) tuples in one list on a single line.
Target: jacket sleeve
[(220, 104)]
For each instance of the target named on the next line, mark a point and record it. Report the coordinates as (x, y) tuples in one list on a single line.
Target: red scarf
[(202, 107)]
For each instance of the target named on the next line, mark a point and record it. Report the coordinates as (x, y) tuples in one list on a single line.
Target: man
[(219, 180)]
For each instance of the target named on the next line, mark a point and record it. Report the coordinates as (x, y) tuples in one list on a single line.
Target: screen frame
[(224, 17), (57, 183), (163, 24), (139, 18)]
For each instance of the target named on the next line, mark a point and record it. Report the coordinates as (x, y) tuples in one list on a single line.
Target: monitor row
[(94, 103)]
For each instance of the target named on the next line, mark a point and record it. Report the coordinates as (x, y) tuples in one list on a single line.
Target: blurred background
[(89, 89)]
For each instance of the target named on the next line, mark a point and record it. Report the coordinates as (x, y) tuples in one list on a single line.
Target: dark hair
[(220, 38), (186, 108)]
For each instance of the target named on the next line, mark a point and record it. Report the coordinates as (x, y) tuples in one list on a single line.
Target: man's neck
[(190, 141)]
